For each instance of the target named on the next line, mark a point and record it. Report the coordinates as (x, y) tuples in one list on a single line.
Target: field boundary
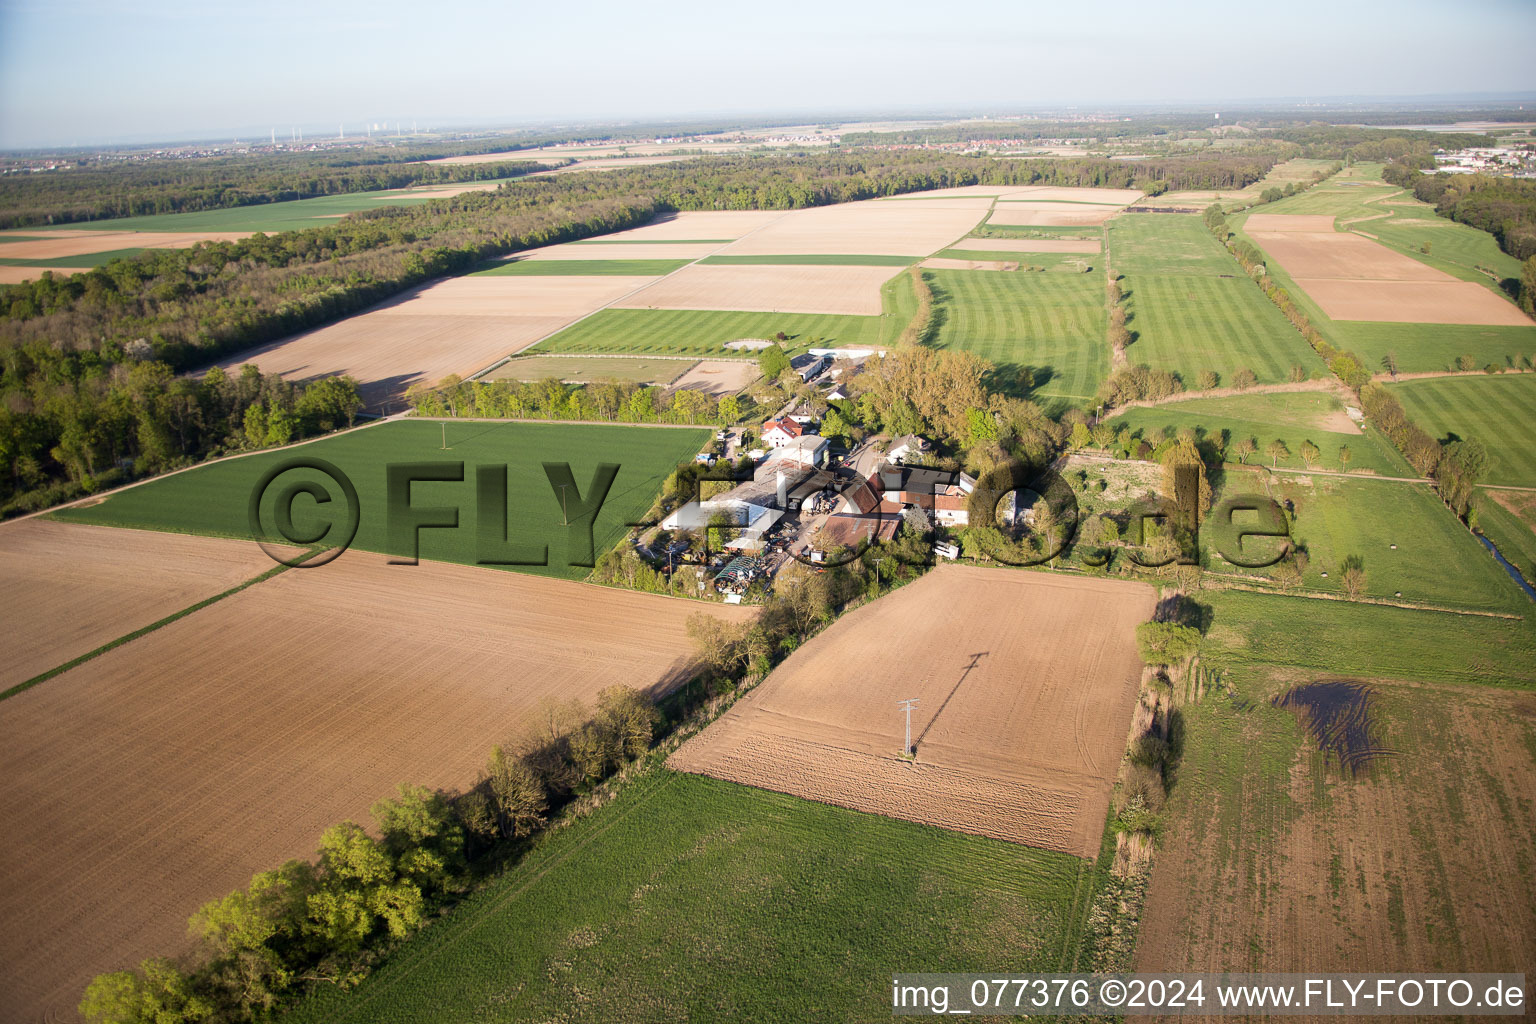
[(141, 631)]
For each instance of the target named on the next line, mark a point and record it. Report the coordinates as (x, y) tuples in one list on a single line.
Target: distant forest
[(135, 189)]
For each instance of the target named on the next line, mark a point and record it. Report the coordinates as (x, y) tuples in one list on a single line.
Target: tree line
[(328, 918), (91, 192), (1503, 207), (553, 399)]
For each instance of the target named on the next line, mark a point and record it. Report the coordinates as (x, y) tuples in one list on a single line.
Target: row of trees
[(1347, 366), (552, 399), (324, 920)]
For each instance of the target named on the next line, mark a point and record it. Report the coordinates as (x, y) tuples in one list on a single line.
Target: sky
[(94, 71)]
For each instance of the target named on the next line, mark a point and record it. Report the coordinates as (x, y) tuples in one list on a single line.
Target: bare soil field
[(511, 295), (924, 201), (1288, 222), (632, 251), (63, 244), (1055, 193), (1275, 860), (946, 263), (718, 377), (619, 163), (872, 228), (961, 192), (165, 772), (697, 225), (1342, 256), (1355, 278), (16, 275), (1025, 683), (68, 588), (769, 289), (387, 353), (1050, 214), (1067, 245), (1413, 302)]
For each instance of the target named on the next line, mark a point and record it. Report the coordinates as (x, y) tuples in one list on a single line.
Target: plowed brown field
[(696, 225), (872, 228), (1273, 860), (1355, 278), (165, 772), (1025, 682), (1050, 214), (455, 326), (66, 589), (769, 289)]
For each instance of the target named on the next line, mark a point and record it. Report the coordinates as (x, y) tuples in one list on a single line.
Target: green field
[(93, 259), (1437, 560), (213, 499), (695, 332), (1513, 536), (1037, 231), (1166, 243), (1072, 262), (1499, 411), (693, 899), (1054, 323), (1187, 324), (1343, 202), (1292, 417), (581, 268), (817, 260), (1192, 307), (1343, 638), (1422, 348), (591, 368), (269, 217)]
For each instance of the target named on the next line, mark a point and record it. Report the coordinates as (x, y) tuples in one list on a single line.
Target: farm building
[(750, 519), (904, 447), (941, 494), (849, 531), (782, 432), (808, 366)]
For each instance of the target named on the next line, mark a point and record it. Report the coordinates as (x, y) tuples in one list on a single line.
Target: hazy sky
[(82, 71)]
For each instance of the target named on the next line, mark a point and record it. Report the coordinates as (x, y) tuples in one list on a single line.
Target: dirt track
[(165, 772), (1022, 745)]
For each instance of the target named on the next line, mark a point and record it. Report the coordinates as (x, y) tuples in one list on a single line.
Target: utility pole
[(444, 425), (909, 703), (877, 576), (565, 519)]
